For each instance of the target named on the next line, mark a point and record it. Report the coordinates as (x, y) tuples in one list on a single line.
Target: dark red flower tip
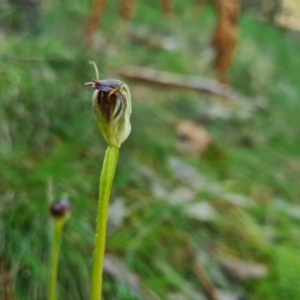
[(60, 208)]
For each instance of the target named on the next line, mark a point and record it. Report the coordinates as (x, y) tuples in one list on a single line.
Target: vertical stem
[(58, 226), (106, 180)]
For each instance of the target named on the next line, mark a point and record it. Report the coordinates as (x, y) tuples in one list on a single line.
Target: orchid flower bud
[(61, 209), (112, 108)]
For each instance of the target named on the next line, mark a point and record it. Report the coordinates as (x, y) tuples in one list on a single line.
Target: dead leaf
[(185, 173), (115, 268), (181, 194), (201, 211), (193, 138), (117, 213), (241, 269), (286, 207)]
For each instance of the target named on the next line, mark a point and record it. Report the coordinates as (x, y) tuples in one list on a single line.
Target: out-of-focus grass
[(47, 131)]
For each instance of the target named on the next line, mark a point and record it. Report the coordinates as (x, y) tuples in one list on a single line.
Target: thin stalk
[(106, 180), (58, 226)]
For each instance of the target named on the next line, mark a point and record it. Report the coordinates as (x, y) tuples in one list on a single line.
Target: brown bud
[(61, 208)]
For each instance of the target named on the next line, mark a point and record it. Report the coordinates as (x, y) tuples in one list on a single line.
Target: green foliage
[(47, 130)]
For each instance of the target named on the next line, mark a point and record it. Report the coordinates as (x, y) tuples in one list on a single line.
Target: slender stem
[(106, 180), (58, 226)]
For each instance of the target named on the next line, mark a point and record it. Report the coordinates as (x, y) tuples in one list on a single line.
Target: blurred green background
[(182, 225)]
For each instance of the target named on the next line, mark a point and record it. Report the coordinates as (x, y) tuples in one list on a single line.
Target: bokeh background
[(205, 202)]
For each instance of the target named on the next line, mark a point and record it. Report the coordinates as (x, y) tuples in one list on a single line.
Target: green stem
[(106, 180), (58, 226)]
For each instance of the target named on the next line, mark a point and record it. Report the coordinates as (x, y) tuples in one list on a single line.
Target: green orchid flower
[(112, 109)]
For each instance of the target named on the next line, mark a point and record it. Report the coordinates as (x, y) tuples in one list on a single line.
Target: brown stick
[(166, 7), (225, 36), (93, 21), (127, 9), (199, 6), (208, 287), (7, 280), (186, 82)]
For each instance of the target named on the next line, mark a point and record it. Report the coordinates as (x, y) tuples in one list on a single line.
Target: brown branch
[(225, 36), (185, 82), (166, 7), (199, 7), (127, 9), (7, 279), (93, 21), (208, 287)]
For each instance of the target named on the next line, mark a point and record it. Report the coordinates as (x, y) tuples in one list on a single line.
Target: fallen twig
[(187, 82)]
